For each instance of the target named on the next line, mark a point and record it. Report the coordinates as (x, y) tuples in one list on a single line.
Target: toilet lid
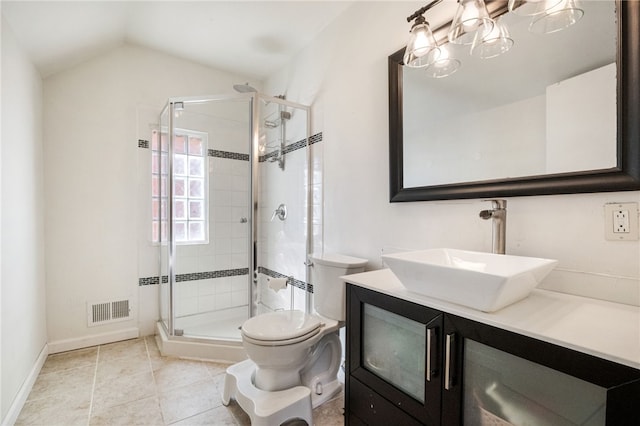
[(281, 325)]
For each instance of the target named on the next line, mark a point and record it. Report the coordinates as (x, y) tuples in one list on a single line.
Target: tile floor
[(130, 383)]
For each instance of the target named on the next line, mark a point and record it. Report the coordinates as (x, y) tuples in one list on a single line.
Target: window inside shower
[(190, 182)]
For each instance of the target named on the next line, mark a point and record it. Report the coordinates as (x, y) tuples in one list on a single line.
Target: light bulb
[(422, 46), (470, 16)]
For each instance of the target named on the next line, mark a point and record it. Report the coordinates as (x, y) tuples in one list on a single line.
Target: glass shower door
[(208, 241)]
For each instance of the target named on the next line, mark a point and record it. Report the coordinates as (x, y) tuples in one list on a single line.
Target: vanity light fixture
[(444, 65), (563, 15), (495, 43), (489, 37), (423, 51), (422, 48), (531, 7), (471, 19)]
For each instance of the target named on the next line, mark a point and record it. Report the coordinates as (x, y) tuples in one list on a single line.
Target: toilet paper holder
[(280, 283)]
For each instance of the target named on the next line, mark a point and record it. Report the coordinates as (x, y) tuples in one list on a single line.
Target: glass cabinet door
[(501, 378), (503, 389), (394, 348)]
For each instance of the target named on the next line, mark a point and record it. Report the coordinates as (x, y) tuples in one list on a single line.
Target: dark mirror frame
[(624, 177)]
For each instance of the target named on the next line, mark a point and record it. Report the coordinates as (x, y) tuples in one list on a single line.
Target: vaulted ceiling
[(253, 38)]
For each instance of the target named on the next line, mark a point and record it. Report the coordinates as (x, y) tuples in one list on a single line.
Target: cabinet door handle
[(449, 349), (430, 333)]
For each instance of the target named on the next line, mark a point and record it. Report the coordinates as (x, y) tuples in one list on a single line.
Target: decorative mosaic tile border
[(302, 285), (293, 146), (150, 281), (224, 273), (195, 276), (245, 157), (229, 155)]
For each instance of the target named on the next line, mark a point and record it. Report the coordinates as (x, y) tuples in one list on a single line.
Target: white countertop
[(604, 329)]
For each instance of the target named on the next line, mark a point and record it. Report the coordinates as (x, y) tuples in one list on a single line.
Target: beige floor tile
[(56, 410), (135, 385), (330, 413), (175, 373), (126, 366), (187, 401), (219, 416), (75, 381), (141, 412), (123, 389), (72, 359), (126, 348), (152, 346), (238, 414), (217, 368)]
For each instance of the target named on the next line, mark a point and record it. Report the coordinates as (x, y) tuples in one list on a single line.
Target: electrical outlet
[(621, 221)]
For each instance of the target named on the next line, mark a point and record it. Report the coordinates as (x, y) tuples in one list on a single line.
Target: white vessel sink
[(482, 281)]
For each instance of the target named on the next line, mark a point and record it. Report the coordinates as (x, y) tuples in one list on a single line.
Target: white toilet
[(294, 352)]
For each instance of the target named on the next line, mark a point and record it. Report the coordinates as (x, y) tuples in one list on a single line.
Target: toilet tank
[(328, 289)]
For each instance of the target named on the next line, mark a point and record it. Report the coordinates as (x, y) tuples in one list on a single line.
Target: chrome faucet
[(499, 230)]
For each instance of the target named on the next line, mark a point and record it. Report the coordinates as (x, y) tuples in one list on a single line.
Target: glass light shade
[(421, 47), (497, 42), (563, 15), (531, 7), (444, 65), (471, 17)]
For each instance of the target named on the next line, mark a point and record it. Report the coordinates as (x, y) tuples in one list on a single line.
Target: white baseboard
[(25, 389), (93, 340)]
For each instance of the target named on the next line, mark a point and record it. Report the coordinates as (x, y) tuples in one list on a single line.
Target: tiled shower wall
[(282, 244), (214, 276)]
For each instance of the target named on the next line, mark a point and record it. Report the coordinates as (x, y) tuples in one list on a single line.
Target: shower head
[(244, 88)]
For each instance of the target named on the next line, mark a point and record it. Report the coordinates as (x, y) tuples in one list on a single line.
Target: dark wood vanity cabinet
[(408, 364)]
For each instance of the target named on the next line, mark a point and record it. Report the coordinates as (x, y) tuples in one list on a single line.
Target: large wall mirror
[(559, 113)]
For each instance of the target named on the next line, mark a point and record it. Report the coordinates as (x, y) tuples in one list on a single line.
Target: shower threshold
[(199, 347)]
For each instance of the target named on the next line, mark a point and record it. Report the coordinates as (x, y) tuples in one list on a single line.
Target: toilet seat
[(281, 328), (280, 342)]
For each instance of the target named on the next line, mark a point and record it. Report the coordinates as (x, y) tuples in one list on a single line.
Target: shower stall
[(234, 188)]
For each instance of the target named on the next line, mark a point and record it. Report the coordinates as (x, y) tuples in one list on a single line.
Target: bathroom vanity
[(551, 359)]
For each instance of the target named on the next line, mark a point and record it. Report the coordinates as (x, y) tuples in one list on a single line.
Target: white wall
[(581, 121), (93, 116), (23, 332), (343, 74)]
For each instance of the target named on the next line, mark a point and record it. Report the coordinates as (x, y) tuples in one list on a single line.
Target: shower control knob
[(243, 220)]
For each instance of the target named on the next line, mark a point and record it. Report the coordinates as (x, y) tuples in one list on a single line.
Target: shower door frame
[(253, 212)]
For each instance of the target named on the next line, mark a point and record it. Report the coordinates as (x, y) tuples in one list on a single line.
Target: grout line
[(93, 386), (153, 376)]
